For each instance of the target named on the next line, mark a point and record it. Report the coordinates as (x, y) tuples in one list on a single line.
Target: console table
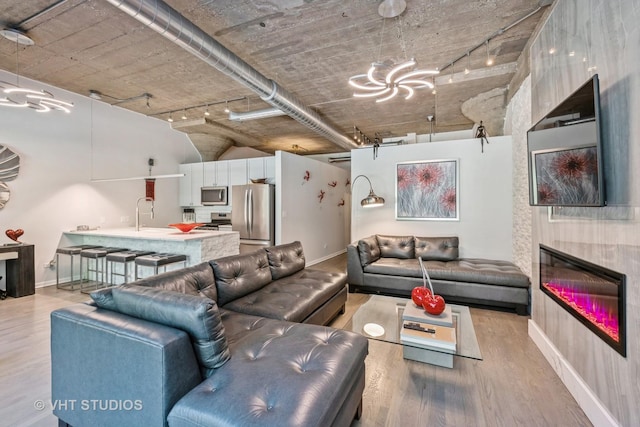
[(21, 278)]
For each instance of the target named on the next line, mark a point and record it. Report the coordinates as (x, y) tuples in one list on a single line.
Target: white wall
[(484, 226), (60, 154), (319, 226)]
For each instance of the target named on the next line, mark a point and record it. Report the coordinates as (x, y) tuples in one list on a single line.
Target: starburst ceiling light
[(401, 77), (13, 95), (385, 80)]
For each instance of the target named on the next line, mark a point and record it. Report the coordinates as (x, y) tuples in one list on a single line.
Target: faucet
[(148, 199)]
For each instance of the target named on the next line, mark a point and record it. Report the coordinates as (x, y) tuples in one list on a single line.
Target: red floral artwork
[(348, 182), (448, 199), (321, 196), (306, 177), (429, 175), (404, 178), (333, 183), (341, 202), (546, 195), (567, 177), (427, 190)]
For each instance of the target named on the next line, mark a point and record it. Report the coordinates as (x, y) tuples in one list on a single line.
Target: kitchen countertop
[(197, 245), (149, 233)]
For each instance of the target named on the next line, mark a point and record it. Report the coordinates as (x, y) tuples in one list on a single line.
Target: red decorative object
[(348, 182), (321, 196), (418, 293), (433, 304), (14, 234), (341, 202), (150, 188), (186, 227), (333, 183), (307, 176)]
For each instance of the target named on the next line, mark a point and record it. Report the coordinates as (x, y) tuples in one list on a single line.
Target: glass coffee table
[(381, 318)]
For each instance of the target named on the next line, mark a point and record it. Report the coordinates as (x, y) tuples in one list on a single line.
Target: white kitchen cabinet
[(256, 168), (262, 167), (190, 184), (222, 173), (216, 174), (237, 172)]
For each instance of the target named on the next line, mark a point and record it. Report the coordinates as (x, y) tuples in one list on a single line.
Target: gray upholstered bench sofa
[(231, 342), (389, 265)]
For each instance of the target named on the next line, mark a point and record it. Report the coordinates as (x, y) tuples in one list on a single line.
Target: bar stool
[(72, 252), (158, 260), (98, 255), (124, 258)]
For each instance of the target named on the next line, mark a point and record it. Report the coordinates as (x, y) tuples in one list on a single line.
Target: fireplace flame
[(597, 309)]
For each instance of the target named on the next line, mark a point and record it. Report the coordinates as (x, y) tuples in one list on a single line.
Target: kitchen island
[(197, 245)]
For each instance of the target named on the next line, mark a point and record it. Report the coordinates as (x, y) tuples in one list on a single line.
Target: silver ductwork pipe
[(166, 21)]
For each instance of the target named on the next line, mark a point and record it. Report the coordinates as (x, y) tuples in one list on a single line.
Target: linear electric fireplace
[(592, 294)]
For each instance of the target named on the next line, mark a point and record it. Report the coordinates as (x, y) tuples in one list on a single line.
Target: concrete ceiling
[(309, 47)]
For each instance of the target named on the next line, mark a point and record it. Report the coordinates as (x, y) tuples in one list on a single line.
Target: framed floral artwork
[(427, 190), (566, 177)]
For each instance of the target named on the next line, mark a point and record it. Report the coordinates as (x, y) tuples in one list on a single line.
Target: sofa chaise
[(236, 341), (389, 265)]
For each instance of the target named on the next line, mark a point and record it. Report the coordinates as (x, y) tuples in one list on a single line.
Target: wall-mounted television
[(565, 152)]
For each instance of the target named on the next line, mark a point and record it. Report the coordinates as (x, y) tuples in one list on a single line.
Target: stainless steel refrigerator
[(253, 215)]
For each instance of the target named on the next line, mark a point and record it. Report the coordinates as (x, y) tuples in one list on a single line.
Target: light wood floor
[(512, 386)]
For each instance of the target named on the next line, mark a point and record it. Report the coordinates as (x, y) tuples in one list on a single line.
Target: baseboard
[(581, 392), (324, 258)]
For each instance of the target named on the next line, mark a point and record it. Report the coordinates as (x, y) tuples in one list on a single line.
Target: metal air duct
[(166, 21)]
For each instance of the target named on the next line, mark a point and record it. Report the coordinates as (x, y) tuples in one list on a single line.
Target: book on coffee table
[(434, 336), (415, 314)]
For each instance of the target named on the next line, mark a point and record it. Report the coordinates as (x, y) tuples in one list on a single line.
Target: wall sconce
[(372, 200)]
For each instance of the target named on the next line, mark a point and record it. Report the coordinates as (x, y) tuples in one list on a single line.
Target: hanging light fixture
[(467, 69), (226, 107), (170, 119), (184, 115), (385, 80), (20, 97), (386, 86), (489, 58), (206, 112)]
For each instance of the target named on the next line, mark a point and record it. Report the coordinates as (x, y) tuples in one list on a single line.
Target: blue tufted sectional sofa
[(389, 265), (236, 341)]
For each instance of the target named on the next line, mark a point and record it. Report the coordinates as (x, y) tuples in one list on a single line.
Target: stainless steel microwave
[(210, 196)]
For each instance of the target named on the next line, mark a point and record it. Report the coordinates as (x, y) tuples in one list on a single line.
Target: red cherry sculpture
[(433, 304), (418, 293)]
